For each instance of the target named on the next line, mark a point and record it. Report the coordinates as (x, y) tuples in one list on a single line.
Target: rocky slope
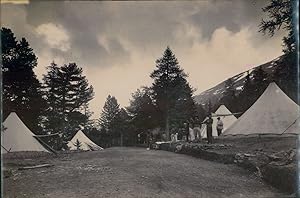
[(215, 93)]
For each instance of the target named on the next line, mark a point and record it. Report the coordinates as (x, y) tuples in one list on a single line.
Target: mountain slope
[(215, 93)]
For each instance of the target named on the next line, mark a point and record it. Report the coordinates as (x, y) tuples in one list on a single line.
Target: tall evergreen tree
[(255, 84), (259, 80), (142, 110), (21, 88), (201, 113), (68, 93), (184, 107), (123, 128), (172, 92), (53, 122), (109, 117), (287, 76), (283, 15), (143, 113)]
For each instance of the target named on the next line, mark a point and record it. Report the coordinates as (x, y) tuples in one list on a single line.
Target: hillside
[(215, 93)]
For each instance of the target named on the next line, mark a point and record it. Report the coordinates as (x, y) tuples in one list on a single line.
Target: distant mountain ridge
[(215, 93)]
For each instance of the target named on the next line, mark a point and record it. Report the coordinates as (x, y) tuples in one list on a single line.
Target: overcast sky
[(117, 43)]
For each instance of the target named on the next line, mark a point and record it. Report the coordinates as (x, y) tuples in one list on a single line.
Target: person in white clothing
[(173, 137), (219, 126), (176, 137)]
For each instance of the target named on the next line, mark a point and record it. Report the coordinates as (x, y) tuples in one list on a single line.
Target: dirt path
[(135, 172)]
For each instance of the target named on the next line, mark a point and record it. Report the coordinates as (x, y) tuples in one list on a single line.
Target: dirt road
[(134, 172)]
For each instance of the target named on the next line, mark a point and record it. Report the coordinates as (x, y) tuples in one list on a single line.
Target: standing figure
[(187, 130), (172, 137), (197, 128), (176, 137), (219, 126), (192, 135), (209, 123)]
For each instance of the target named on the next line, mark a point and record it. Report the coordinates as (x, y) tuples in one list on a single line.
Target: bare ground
[(131, 172), (266, 144)]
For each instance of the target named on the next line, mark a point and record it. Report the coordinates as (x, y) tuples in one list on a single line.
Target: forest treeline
[(59, 103)]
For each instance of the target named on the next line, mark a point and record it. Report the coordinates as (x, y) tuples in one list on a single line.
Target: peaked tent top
[(226, 116), (222, 110), (272, 113), (17, 137), (86, 143)]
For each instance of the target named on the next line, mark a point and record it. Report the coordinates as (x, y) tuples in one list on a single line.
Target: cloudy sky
[(117, 43)]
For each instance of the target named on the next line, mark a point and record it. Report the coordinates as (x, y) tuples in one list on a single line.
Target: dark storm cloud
[(121, 40), (142, 24), (83, 21), (233, 15)]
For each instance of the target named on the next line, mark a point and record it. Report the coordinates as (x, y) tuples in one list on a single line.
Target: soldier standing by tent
[(209, 123), (219, 126)]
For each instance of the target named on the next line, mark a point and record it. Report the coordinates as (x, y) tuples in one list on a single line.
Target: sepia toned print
[(149, 98)]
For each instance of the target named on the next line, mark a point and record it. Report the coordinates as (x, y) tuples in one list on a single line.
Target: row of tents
[(273, 113), (17, 137)]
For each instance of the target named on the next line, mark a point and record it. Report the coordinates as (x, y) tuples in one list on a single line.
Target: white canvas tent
[(85, 143), (226, 116), (273, 113), (17, 137), (294, 128)]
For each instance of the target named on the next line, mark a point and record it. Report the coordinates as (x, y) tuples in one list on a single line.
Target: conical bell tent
[(294, 128), (273, 113), (85, 143), (17, 137), (225, 115)]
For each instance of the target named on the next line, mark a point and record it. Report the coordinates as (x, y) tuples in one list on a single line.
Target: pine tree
[(247, 96), (96, 136), (286, 75), (68, 94), (229, 96), (283, 15), (123, 127), (254, 86), (184, 107), (144, 115), (21, 88), (172, 92), (109, 117), (53, 121), (201, 113), (142, 110), (260, 80), (259, 83)]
